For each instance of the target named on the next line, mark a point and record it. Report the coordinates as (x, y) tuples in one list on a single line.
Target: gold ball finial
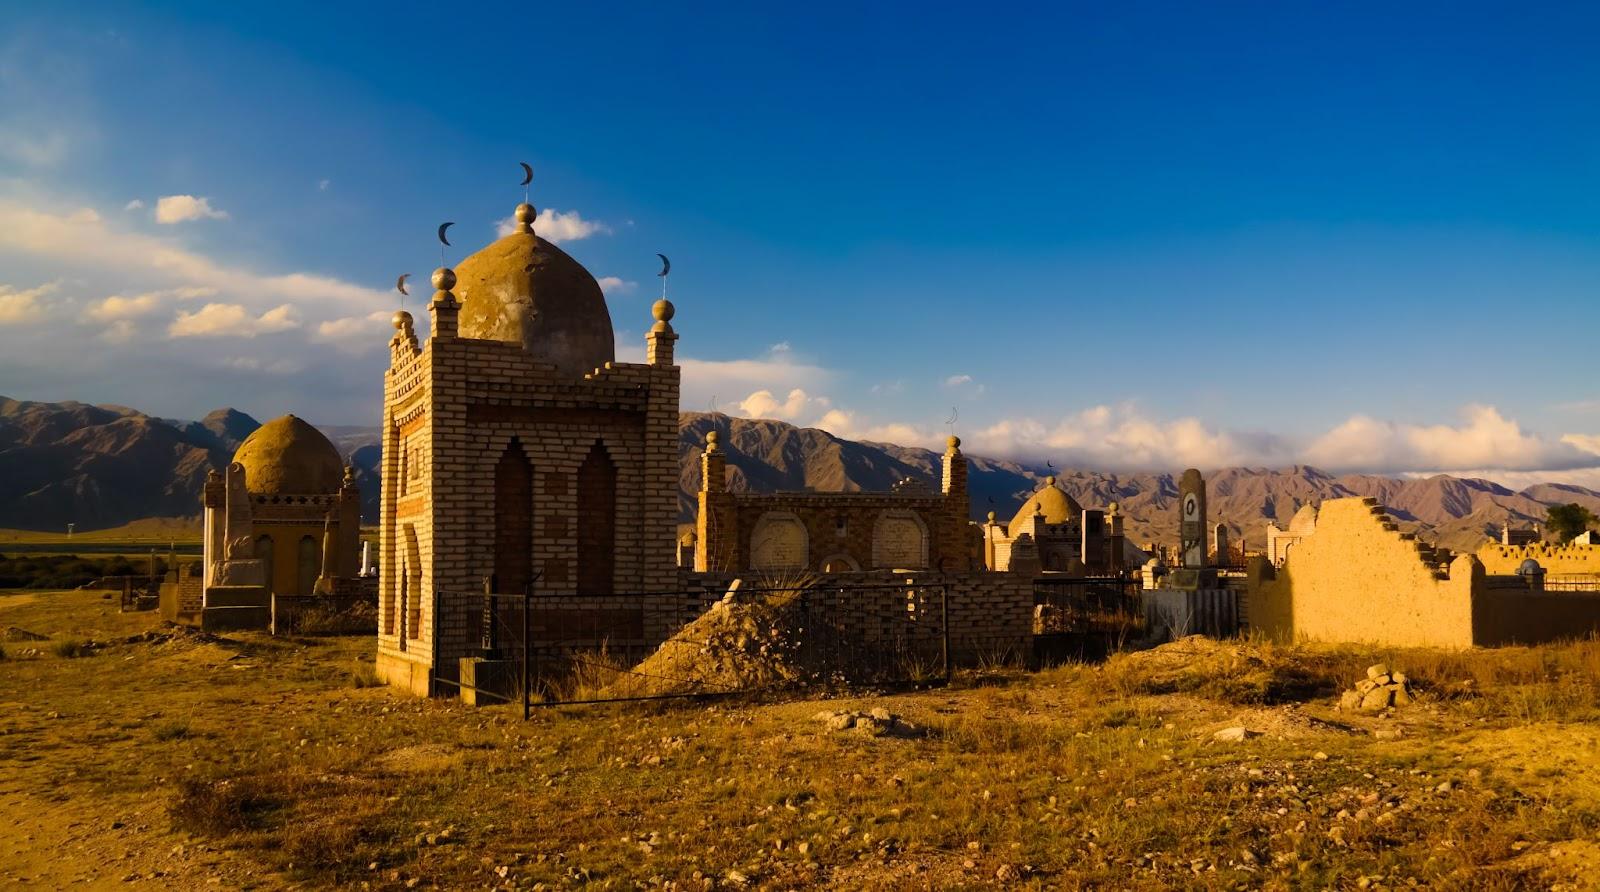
[(401, 320), (663, 310), (444, 278), (1050, 481), (991, 517), (954, 442), (711, 438), (525, 215)]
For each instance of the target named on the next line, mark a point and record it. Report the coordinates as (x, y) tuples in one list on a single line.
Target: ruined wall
[(1358, 578), (1557, 560)]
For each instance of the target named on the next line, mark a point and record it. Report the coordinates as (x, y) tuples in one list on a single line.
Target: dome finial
[(525, 214), (444, 279)]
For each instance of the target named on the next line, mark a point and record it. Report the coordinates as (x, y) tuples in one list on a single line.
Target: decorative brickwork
[(907, 529), (456, 405)]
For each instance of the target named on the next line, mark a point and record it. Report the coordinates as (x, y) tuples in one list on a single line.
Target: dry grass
[(69, 649), (1077, 777)]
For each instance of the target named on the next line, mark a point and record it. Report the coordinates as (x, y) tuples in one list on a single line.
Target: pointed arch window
[(597, 522)]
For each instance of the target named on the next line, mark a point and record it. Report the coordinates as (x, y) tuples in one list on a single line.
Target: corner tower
[(515, 449)]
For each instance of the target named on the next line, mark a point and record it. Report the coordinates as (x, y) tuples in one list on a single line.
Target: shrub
[(222, 807), (364, 675), (70, 648), (173, 730)]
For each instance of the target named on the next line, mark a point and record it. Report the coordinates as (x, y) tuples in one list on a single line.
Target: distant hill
[(104, 466)]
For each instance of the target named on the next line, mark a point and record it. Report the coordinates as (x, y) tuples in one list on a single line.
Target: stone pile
[(878, 722), (1380, 690), (738, 645)]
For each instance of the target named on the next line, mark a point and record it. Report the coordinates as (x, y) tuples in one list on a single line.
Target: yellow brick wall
[(1555, 559)]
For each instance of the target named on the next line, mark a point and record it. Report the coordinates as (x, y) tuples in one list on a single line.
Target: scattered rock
[(1235, 734)]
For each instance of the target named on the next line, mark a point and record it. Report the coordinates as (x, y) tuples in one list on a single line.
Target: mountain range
[(104, 466)]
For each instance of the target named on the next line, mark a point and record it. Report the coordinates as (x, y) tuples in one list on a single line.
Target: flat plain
[(139, 755)]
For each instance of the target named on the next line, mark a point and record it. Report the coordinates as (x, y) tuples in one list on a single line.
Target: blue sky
[(1119, 235)]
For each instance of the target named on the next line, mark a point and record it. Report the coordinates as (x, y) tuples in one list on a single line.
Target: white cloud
[(24, 305), (217, 320), (957, 380), (322, 185), (81, 238), (356, 331), (118, 307), (724, 380), (181, 208), (279, 318), (1122, 438), (616, 285), (134, 205), (557, 226), (1486, 439), (797, 405)]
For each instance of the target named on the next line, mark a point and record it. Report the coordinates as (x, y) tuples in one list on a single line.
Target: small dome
[(1052, 501), (1529, 567), (287, 456), (1304, 520), (524, 290)]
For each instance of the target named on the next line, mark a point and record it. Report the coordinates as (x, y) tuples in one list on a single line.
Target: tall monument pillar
[(1192, 520)]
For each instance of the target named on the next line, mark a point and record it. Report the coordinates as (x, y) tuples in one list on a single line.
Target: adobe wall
[(1518, 616), (1359, 579), (1557, 560)]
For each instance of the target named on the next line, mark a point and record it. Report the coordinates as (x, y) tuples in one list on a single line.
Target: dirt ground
[(133, 755)]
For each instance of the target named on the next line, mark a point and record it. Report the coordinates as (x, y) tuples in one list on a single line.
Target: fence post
[(944, 628), (527, 602)]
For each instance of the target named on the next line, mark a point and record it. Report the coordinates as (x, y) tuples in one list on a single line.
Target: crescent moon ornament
[(527, 173), (400, 283), (666, 265), (443, 240)]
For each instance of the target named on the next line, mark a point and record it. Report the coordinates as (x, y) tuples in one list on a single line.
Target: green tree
[(1569, 520)]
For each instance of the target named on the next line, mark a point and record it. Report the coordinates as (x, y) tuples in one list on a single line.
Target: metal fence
[(548, 649), (1572, 582), (1085, 617)]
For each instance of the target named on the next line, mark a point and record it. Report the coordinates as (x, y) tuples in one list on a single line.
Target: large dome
[(1052, 501), (287, 456), (524, 290)]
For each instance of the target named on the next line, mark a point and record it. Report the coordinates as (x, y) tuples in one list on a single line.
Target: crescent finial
[(666, 265), (527, 173), (400, 283), (443, 239)]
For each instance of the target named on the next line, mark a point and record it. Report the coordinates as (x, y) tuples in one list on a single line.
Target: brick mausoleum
[(515, 447)]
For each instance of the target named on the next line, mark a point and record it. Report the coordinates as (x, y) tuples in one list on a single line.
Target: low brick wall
[(183, 598), (990, 615)]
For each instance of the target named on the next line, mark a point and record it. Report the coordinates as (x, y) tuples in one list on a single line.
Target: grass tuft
[(220, 808), (364, 675), (70, 648), (176, 729)]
